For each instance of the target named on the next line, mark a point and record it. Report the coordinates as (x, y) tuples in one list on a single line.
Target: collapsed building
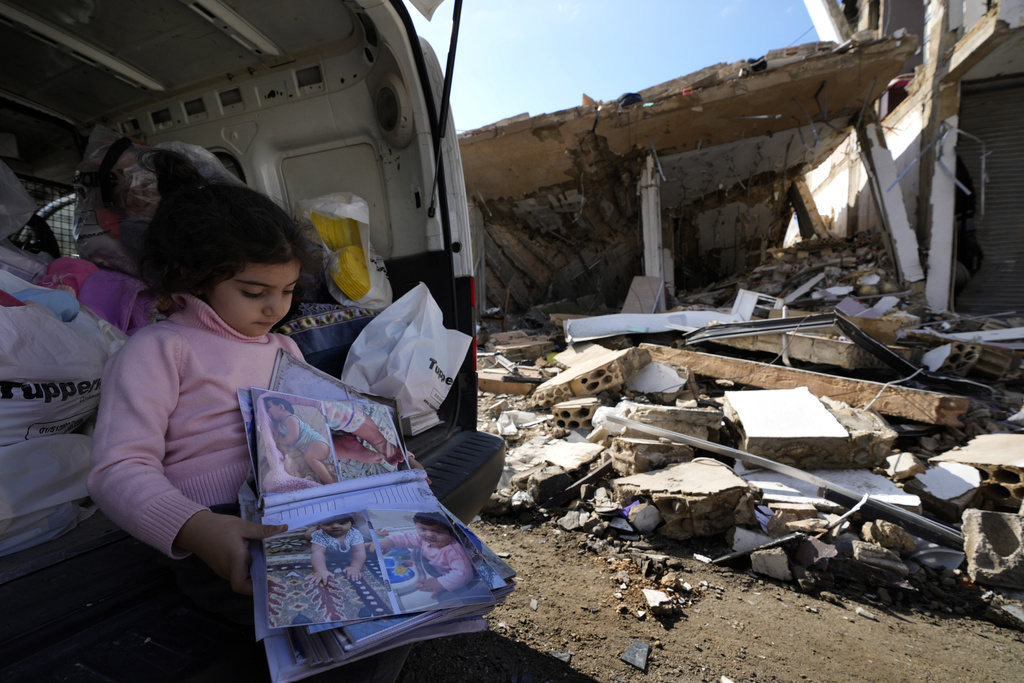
[(773, 302), (876, 130)]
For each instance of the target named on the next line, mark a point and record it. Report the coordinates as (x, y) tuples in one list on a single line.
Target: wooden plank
[(812, 349), (501, 382), (911, 404)]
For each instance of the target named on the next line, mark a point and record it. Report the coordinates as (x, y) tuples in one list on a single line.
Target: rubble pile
[(876, 447)]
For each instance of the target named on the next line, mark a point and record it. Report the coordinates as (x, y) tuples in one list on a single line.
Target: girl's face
[(336, 529), (256, 298), (433, 536)]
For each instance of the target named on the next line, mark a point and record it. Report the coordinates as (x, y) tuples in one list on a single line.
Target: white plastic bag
[(355, 273), (49, 369), (406, 353), (39, 482), (16, 206)]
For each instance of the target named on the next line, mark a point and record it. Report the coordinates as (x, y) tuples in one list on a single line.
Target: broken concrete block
[(992, 542), (644, 517), (1000, 457), (888, 535), (784, 513), (811, 525), (947, 489), (633, 456), (870, 437), (603, 373), (902, 466), (773, 562), (791, 426), (701, 423), (1006, 613), (658, 602), (544, 449), (575, 413), (699, 498), (745, 540), (877, 556), (599, 435), (794, 427), (543, 482), (518, 345), (658, 381), (522, 500), (573, 520)]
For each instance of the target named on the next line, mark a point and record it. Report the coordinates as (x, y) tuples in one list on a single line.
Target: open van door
[(299, 100)]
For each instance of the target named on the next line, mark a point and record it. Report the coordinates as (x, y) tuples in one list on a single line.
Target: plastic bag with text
[(49, 369), (406, 353)]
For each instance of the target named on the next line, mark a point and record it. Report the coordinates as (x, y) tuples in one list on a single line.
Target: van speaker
[(394, 114)]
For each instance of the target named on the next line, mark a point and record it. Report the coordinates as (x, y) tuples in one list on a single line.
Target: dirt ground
[(578, 607)]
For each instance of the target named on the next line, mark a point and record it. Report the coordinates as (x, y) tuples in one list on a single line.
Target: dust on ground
[(578, 607)]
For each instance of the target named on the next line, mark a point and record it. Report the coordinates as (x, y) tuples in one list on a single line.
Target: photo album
[(371, 559)]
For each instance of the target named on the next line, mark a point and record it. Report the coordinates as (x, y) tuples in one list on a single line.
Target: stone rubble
[(638, 488)]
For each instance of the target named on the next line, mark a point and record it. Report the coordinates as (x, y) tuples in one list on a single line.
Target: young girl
[(169, 442), (339, 542), (435, 538)]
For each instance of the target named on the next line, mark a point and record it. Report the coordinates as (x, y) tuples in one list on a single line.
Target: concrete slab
[(947, 489), (698, 498), (794, 427)]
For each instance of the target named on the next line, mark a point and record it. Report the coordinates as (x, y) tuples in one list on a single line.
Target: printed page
[(342, 566), (294, 446)]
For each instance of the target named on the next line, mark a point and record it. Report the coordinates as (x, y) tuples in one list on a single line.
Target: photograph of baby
[(293, 441), (425, 560), (365, 438), (323, 573)]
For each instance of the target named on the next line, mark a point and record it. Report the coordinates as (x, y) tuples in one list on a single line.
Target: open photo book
[(371, 558)]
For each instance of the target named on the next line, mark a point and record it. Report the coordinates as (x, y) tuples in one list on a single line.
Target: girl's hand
[(432, 585), (413, 462), (352, 573), (222, 542), (322, 577)]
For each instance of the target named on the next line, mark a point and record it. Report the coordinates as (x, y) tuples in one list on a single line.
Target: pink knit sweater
[(169, 437)]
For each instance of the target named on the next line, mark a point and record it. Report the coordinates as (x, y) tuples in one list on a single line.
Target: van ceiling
[(73, 61)]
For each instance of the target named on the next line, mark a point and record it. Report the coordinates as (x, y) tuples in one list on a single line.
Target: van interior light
[(237, 28), (47, 33)]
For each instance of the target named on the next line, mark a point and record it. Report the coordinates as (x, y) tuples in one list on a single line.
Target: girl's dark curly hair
[(206, 232)]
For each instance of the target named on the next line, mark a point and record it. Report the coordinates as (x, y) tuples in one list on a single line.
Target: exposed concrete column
[(881, 168), (650, 215), (828, 20), (938, 289)]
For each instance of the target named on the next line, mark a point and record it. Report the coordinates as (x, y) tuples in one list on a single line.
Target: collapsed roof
[(725, 140)]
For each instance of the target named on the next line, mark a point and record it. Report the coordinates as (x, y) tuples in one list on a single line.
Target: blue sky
[(541, 56)]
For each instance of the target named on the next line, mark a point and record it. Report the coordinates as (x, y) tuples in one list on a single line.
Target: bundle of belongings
[(63, 315)]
